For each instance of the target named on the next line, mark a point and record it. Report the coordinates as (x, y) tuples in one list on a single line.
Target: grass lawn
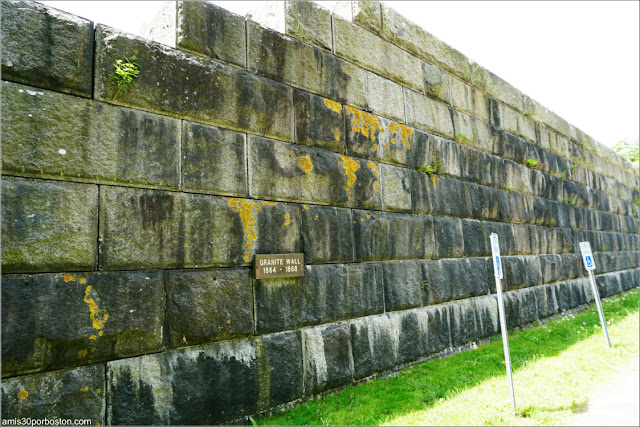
[(556, 365)]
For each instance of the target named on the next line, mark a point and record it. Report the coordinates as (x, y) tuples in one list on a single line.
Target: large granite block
[(487, 318), (386, 236), (290, 172), (48, 226), (413, 334), (51, 321), (396, 188), (328, 359), (46, 47), (374, 345), (327, 234), (463, 322), (384, 97), (521, 271), (48, 134), (448, 236), (319, 122), (76, 393), (284, 59), (402, 285), (207, 306), (177, 84), (451, 279), (428, 115)]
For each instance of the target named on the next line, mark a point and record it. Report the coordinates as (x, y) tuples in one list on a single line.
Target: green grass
[(555, 367)]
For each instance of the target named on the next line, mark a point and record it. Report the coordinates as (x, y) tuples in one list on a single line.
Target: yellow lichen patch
[(269, 203), (98, 390), (100, 333), (374, 147), (374, 169), (84, 389), (350, 167), (316, 217), (23, 394), (304, 163), (305, 207), (333, 105), (68, 277), (92, 337), (433, 178), (404, 131), (336, 135), (98, 316), (368, 216), (228, 322), (82, 281), (246, 209), (287, 220), (364, 123), (247, 256), (376, 186), (83, 352)]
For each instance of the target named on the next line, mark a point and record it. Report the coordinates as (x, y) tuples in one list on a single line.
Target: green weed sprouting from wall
[(433, 168), (125, 73)]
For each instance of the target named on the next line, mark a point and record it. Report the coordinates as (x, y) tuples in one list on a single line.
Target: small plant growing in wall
[(563, 175), (551, 222), (433, 168), (532, 163), (507, 188), (126, 71)]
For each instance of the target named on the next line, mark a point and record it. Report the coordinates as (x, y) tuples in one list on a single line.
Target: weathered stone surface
[(463, 322), (529, 305), (496, 87), (472, 132), (159, 388), (374, 345), (207, 306), (290, 172), (281, 58), (182, 85), (328, 359), (384, 97), (440, 195), (327, 234), (182, 230), (47, 48), (436, 83), (513, 309), (521, 239), (521, 271), (451, 279), (48, 226), (358, 45), (486, 312), (468, 99), (402, 285), (428, 115), (206, 29), (551, 268), (439, 334), (396, 188), (402, 32), (319, 122), (326, 293), (448, 235), (551, 301), (49, 134), (413, 334), (281, 369), (76, 393), (481, 168), (517, 177), (386, 236), (51, 321), (476, 240), (505, 234), (515, 207), (308, 22), (213, 160)]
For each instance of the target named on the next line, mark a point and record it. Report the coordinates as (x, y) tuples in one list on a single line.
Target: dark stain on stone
[(155, 208), (131, 403)]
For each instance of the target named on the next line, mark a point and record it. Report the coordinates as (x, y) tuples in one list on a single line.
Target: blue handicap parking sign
[(498, 267), (589, 262)]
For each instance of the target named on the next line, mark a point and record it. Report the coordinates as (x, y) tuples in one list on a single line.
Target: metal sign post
[(497, 269), (590, 265)]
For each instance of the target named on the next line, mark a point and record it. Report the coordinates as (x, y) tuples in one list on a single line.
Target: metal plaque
[(278, 265)]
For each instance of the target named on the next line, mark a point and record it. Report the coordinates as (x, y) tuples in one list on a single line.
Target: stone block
[(384, 97), (482, 168), (52, 321), (440, 195), (515, 207), (396, 188), (159, 388), (521, 271), (374, 345), (213, 160), (428, 115), (281, 58), (328, 359), (496, 87), (517, 177), (326, 293), (48, 134), (402, 285), (178, 84), (490, 202), (551, 301), (308, 22), (528, 297), (76, 393), (521, 239), (451, 279), (289, 172), (327, 234), (476, 240), (486, 313), (48, 226), (472, 132), (207, 306), (413, 333), (55, 53), (469, 100), (513, 310), (448, 236), (412, 37), (551, 268), (319, 122), (386, 236), (436, 83), (462, 322), (358, 45), (281, 368), (506, 237)]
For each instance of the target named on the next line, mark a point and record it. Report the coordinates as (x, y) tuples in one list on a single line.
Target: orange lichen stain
[(92, 337), (68, 277), (304, 163), (84, 389), (350, 167), (374, 169), (83, 281), (287, 220), (365, 123), (228, 322), (385, 145), (433, 178), (368, 216), (404, 133), (305, 207), (83, 352), (100, 333), (98, 390), (374, 147), (336, 135), (98, 316), (23, 394), (333, 105), (246, 209)]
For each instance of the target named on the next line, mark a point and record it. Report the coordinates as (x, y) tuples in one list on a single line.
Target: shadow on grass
[(424, 385)]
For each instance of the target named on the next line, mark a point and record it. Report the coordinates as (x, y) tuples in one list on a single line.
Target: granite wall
[(130, 218)]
